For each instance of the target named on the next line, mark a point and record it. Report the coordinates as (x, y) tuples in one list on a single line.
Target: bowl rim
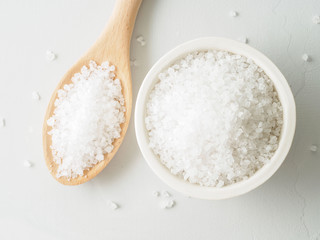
[(285, 96)]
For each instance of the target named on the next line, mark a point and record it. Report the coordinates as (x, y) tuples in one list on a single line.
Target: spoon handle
[(123, 18)]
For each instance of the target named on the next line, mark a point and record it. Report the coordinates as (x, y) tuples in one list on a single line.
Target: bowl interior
[(285, 96)]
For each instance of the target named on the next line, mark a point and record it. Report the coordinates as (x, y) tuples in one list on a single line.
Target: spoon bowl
[(114, 46)]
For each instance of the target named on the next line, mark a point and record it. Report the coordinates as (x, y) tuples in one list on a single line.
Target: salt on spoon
[(113, 46)]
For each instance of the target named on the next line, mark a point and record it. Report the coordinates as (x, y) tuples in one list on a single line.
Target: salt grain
[(156, 193), (30, 129), (165, 194), (134, 62), (50, 55), (167, 203), (35, 96), (305, 57), (214, 118), (243, 39), (233, 14), (2, 122), (27, 164), (316, 19), (112, 205), (86, 120), (313, 148), (141, 40)]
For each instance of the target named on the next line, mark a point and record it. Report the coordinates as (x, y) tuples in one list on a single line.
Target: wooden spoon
[(114, 46)]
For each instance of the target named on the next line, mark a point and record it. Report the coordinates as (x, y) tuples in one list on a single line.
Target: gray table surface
[(34, 206)]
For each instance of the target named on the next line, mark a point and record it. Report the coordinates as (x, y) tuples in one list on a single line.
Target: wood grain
[(114, 46)]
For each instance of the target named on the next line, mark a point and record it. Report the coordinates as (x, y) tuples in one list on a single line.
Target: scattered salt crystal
[(219, 127), (316, 19), (112, 205), (313, 148), (166, 194), (141, 40), (30, 129), (27, 164), (35, 96), (134, 62), (2, 122), (156, 193), (233, 13), (305, 57), (167, 203), (243, 39), (50, 55), (86, 119)]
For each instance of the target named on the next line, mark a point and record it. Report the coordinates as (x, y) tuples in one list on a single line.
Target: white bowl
[(263, 174)]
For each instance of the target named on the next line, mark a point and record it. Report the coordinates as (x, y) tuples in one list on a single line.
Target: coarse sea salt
[(166, 194), (155, 193), (35, 96), (316, 19), (134, 62), (243, 39), (86, 119), (313, 148), (167, 203), (112, 205), (27, 164), (214, 118), (2, 122), (50, 55), (233, 14), (141, 41), (30, 129), (305, 57)]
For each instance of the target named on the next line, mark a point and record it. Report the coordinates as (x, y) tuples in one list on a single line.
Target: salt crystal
[(166, 194), (141, 40), (156, 193), (313, 148), (214, 118), (50, 55), (167, 203), (35, 96), (87, 119), (112, 205), (243, 39), (134, 62), (2, 122), (305, 57), (316, 19), (27, 164), (233, 13)]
